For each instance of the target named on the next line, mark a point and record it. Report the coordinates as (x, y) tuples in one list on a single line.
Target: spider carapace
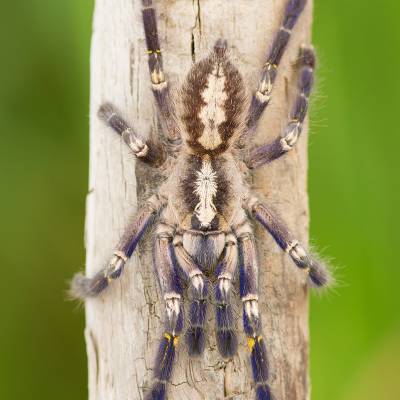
[(203, 209)]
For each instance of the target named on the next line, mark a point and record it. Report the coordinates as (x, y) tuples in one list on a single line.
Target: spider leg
[(251, 315), (280, 146), (316, 271), (195, 336), (163, 259), (262, 96), (83, 287), (159, 84), (146, 151), (224, 319)]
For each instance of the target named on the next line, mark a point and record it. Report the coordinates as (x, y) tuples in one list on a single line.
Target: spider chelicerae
[(203, 208)]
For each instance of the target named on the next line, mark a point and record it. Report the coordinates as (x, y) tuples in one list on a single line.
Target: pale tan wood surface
[(124, 325)]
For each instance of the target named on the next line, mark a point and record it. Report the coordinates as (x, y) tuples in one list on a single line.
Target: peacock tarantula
[(204, 205)]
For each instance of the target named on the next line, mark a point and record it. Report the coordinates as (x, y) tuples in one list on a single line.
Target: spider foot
[(195, 340), (83, 287), (263, 392), (318, 273), (227, 343), (157, 392)]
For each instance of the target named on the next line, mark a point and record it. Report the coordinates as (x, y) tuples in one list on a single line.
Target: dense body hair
[(203, 207), (213, 104)]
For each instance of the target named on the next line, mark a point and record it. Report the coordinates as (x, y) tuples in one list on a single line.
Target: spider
[(203, 208)]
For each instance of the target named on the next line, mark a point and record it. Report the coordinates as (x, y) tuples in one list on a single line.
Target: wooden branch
[(125, 324)]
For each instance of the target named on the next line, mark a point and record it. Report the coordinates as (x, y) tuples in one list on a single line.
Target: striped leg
[(159, 84), (251, 315), (163, 260), (195, 336), (262, 97), (224, 320), (280, 146), (83, 287), (145, 150), (318, 274)]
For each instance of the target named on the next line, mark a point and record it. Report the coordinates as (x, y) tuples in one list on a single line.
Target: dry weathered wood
[(124, 325)]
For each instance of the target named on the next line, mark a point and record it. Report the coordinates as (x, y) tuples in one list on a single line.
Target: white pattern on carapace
[(206, 189), (212, 113)]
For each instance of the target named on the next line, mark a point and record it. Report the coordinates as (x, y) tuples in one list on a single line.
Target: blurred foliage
[(354, 195), (44, 72), (354, 192)]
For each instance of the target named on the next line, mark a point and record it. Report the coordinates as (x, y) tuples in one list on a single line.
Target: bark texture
[(125, 324)]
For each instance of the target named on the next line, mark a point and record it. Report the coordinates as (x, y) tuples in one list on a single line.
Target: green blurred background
[(354, 190)]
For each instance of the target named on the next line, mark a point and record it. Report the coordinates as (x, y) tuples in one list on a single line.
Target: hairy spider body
[(204, 205)]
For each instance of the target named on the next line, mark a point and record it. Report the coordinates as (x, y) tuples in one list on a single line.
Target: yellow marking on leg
[(251, 343), (269, 65), (175, 339)]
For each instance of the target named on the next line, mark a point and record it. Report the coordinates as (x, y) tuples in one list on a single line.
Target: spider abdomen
[(204, 248)]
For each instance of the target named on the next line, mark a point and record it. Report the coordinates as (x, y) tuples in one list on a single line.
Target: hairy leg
[(159, 83), (168, 279), (280, 146), (145, 150), (251, 315), (316, 271), (224, 320), (262, 96), (83, 287), (198, 291)]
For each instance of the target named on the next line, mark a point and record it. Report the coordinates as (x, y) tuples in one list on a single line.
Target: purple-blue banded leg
[(262, 96), (224, 317), (198, 292), (148, 151), (83, 287), (316, 271), (167, 275), (159, 84), (280, 146), (251, 316)]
